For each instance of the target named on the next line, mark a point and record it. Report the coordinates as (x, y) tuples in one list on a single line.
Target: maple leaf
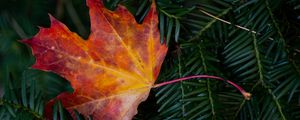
[(111, 72)]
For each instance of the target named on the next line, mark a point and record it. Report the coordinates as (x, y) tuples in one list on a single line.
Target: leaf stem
[(246, 95)]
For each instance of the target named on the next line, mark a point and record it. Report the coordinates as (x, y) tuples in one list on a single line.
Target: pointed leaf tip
[(26, 41), (51, 17), (91, 3)]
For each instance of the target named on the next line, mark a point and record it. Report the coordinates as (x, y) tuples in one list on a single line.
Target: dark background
[(265, 63)]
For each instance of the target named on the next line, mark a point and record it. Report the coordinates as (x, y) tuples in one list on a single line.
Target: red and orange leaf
[(111, 72)]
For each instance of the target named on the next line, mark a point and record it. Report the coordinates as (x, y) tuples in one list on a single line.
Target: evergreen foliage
[(255, 43)]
